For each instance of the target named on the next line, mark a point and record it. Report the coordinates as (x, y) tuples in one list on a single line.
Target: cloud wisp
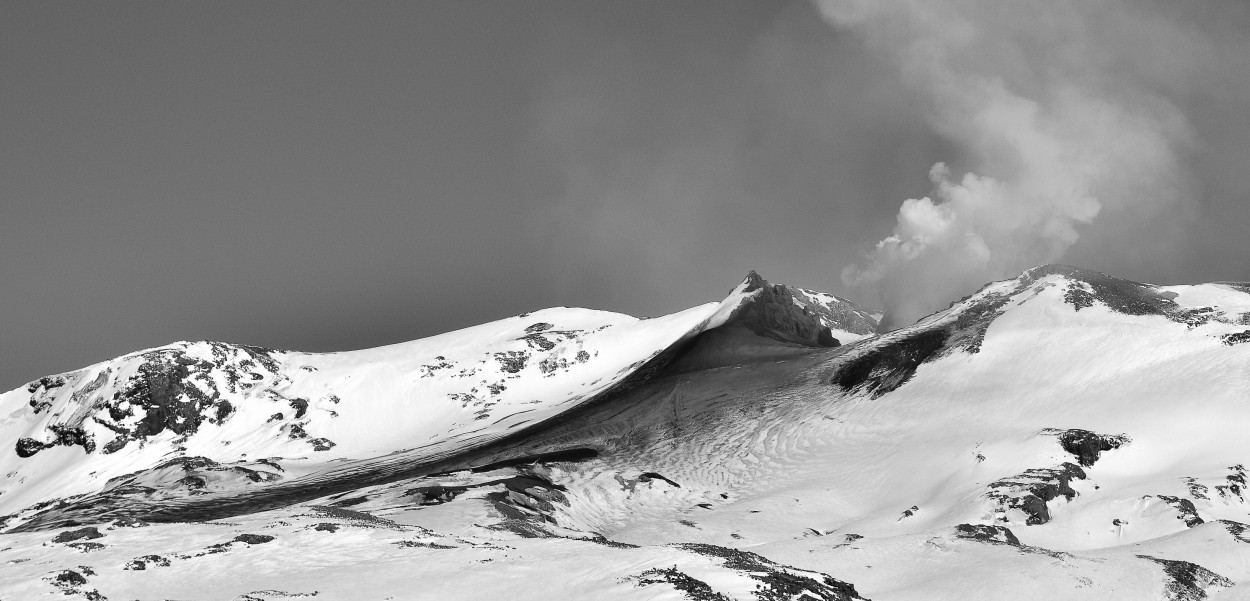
[(1058, 124)]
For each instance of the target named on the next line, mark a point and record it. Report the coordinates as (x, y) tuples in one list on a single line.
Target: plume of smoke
[(1056, 126)]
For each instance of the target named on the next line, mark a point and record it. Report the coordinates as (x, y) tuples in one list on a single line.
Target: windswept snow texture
[(1060, 435)]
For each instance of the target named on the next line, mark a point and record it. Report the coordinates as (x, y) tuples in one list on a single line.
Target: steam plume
[(1057, 125)]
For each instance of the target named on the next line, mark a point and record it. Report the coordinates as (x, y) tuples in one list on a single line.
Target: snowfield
[(1060, 435)]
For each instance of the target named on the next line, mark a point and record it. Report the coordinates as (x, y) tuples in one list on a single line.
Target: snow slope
[(1063, 434)]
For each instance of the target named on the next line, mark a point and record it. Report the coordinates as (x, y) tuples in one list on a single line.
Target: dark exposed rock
[(429, 371), (1185, 508), (1239, 530), (796, 316), (171, 390), (436, 494), (88, 533), (176, 391), (253, 539), (69, 578), (1030, 491), (159, 389), (537, 497), (777, 582), (694, 589), (538, 342), (73, 436), (118, 413), (1078, 297), (300, 406), (1084, 288), (523, 526), (889, 365), (46, 382), (649, 476), (1121, 296), (142, 563), (86, 547), (422, 544), (212, 549), (1238, 476), (326, 527), (70, 581), (1087, 446), (195, 474), (605, 541), (1188, 581), (115, 445), (27, 447), (130, 522), (825, 338), (511, 361), (987, 533), (969, 328), (68, 436), (357, 518), (1196, 316), (1236, 338), (193, 481), (116, 429), (549, 365), (541, 326), (322, 444), (1238, 286), (527, 498), (224, 409), (1235, 488)]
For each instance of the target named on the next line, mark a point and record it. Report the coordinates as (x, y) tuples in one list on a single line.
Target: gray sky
[(331, 176)]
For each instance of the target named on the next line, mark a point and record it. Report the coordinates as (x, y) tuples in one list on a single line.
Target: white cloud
[(1056, 133)]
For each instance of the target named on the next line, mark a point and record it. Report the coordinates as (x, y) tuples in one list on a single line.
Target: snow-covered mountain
[(1060, 435)]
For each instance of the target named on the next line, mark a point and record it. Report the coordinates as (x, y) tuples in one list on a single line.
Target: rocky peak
[(798, 316)]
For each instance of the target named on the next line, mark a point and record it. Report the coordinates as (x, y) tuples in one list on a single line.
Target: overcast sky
[(332, 176)]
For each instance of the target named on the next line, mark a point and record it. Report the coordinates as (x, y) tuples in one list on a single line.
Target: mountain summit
[(1063, 433)]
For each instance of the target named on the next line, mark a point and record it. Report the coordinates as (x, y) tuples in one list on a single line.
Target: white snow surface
[(767, 456)]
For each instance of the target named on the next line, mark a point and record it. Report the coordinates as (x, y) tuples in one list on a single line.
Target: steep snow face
[(1063, 434)]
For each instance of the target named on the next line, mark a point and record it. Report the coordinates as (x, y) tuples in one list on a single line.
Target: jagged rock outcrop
[(798, 316)]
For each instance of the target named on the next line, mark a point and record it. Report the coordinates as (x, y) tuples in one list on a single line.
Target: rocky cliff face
[(790, 314)]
